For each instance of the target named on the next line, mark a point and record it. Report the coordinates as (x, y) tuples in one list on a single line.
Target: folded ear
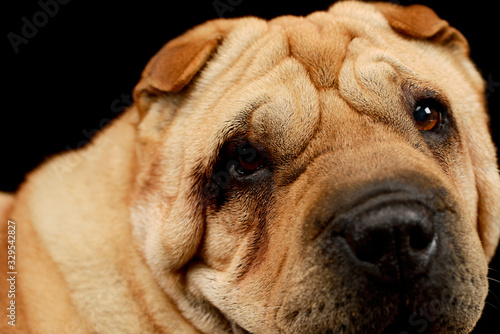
[(421, 22), (175, 65)]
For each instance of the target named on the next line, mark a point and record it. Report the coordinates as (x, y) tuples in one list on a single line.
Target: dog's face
[(328, 174)]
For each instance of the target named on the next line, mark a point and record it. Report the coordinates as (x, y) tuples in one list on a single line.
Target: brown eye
[(427, 116), (249, 159)]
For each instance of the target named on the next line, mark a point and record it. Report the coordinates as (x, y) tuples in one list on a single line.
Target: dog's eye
[(427, 115), (249, 159)]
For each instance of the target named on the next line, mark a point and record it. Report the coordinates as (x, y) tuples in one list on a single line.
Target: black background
[(61, 84)]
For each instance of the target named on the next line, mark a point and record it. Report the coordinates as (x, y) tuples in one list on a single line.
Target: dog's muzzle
[(391, 236)]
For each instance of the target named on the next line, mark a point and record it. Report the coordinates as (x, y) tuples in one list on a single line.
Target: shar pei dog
[(332, 173)]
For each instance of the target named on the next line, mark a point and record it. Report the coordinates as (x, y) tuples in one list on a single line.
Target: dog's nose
[(392, 240)]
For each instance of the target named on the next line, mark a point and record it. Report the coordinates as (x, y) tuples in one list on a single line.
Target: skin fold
[(243, 191)]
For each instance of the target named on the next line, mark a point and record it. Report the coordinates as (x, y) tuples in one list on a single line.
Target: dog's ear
[(178, 61), (421, 22)]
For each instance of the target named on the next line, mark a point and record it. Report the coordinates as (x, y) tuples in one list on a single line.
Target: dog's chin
[(401, 322), (390, 310)]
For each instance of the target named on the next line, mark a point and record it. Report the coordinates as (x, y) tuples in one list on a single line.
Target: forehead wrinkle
[(320, 44), (286, 136), (239, 124)]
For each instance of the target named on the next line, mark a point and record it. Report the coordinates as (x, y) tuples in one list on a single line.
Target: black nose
[(392, 239)]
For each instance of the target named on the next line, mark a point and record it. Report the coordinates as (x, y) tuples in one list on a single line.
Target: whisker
[(495, 270), (494, 295), (493, 280), (492, 305)]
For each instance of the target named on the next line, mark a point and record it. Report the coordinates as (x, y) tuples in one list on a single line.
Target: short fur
[(127, 234)]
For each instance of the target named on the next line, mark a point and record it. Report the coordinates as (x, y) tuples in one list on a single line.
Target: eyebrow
[(418, 90), (239, 125), (236, 127)]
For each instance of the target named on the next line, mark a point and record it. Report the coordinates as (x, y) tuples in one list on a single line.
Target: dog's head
[(324, 174)]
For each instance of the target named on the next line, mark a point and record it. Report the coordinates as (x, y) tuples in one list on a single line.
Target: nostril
[(373, 246), (419, 239)]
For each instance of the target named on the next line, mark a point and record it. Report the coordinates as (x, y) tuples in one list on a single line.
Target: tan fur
[(121, 236)]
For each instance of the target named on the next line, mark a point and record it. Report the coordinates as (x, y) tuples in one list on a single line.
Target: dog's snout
[(395, 241)]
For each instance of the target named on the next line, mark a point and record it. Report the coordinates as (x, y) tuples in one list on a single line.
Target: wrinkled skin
[(327, 101), (326, 174)]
